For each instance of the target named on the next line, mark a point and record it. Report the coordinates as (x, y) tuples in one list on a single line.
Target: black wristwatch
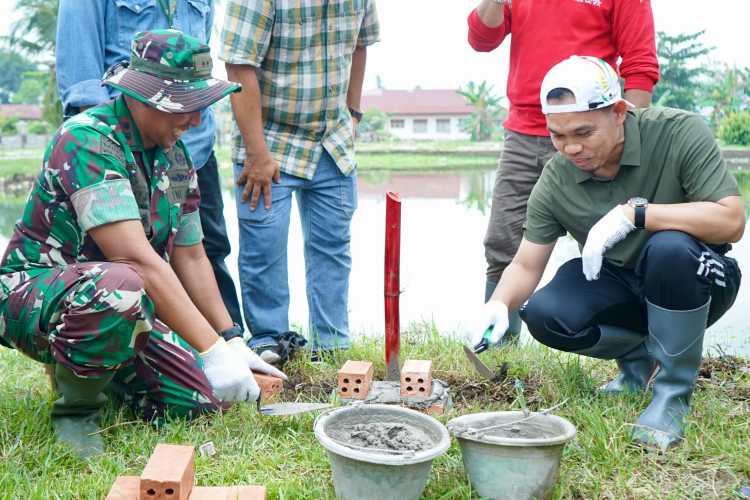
[(639, 205), (230, 333), (355, 114)]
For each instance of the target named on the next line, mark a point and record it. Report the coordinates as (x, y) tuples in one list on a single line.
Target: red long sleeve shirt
[(544, 32)]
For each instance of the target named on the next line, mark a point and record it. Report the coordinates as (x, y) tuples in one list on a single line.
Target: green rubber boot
[(75, 416), (628, 349), (676, 342), (514, 318)]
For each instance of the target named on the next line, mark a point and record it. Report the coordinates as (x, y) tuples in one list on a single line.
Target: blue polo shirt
[(92, 35)]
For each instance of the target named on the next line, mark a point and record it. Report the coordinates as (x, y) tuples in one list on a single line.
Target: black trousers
[(215, 239), (674, 271)]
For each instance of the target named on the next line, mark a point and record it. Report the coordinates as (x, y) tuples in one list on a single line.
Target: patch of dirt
[(300, 387), (723, 372), (469, 392)]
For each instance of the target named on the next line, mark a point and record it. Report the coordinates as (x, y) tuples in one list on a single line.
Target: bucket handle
[(483, 430)]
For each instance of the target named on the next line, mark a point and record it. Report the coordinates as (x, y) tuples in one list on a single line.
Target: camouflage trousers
[(94, 318)]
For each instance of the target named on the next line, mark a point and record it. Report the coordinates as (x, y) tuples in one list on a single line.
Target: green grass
[(19, 166), (282, 453)]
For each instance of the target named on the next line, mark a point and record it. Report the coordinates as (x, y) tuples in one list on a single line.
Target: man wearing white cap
[(648, 198)]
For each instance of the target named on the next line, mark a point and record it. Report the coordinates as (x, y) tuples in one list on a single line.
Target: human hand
[(492, 314), (253, 361), (228, 374), (355, 124), (606, 233), (257, 174)]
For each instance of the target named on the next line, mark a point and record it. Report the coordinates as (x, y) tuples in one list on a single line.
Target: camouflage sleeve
[(90, 169), (189, 229)]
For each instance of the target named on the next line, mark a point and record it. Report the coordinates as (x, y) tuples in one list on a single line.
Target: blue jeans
[(326, 204), (215, 239)]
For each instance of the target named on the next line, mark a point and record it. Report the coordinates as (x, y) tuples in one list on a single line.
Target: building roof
[(22, 111), (416, 102)]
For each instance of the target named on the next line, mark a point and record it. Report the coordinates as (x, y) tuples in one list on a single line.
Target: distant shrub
[(38, 127), (9, 125), (735, 129)]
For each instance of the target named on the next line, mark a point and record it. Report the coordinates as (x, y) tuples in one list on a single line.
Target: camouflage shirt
[(95, 172)]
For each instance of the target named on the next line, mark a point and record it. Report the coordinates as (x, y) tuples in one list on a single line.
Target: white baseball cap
[(591, 80)]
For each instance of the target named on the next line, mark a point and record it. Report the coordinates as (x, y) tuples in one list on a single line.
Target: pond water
[(444, 217)]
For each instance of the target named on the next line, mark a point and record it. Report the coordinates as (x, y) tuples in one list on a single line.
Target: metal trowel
[(281, 409), (483, 369)]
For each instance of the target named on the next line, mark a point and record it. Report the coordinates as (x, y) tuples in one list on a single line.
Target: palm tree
[(34, 32), (487, 109)]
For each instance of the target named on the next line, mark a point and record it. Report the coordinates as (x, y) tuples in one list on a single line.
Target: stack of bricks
[(416, 378), (416, 385), (170, 474), (355, 379)]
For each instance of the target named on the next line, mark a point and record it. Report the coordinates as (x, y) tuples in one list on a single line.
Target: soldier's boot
[(514, 319), (75, 415), (676, 342), (628, 349)]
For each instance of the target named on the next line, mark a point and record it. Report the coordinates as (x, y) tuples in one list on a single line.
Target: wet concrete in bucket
[(530, 429), (383, 436), (536, 426)]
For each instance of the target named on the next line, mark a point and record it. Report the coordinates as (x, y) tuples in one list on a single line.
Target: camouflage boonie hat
[(170, 71)]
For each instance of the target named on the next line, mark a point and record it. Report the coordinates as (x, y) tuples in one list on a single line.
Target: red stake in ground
[(392, 285)]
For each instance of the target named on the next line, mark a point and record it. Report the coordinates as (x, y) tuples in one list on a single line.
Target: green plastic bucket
[(364, 474), (502, 466)]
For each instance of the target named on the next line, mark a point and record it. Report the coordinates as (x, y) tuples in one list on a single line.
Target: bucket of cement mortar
[(513, 460), (380, 451)]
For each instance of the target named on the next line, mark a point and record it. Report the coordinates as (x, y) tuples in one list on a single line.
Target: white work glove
[(606, 233), (228, 374), (252, 360), (493, 313)]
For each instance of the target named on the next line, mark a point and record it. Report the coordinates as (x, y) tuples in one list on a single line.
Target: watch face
[(638, 201)]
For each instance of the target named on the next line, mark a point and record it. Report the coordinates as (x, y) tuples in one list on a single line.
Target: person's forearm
[(491, 13), (639, 98), (247, 109), (516, 285), (193, 269), (172, 303), (356, 78), (707, 221)]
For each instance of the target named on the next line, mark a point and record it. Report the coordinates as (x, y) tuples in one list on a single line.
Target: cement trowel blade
[(280, 409), (483, 369)]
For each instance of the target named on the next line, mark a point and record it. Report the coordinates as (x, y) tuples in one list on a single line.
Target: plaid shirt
[(302, 50)]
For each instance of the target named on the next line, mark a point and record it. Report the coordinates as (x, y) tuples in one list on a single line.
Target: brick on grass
[(169, 473), (416, 378), (355, 379), (124, 488), (270, 387), (228, 493)]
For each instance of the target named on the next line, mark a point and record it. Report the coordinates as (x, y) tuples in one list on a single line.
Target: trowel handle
[(484, 344)]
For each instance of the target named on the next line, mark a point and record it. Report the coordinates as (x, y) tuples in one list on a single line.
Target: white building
[(420, 113)]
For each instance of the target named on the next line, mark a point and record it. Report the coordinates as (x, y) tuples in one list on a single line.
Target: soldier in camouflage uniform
[(106, 264)]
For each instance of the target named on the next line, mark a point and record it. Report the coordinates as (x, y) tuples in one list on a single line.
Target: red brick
[(250, 492), (270, 387), (354, 379), (416, 378), (169, 473), (228, 493), (124, 488)]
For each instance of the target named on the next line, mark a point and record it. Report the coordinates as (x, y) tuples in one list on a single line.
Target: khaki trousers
[(520, 166)]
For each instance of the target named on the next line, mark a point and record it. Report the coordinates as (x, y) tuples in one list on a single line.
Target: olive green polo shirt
[(669, 156)]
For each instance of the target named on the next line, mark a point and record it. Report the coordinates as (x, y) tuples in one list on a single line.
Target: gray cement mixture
[(391, 436), (535, 428), (525, 430)]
